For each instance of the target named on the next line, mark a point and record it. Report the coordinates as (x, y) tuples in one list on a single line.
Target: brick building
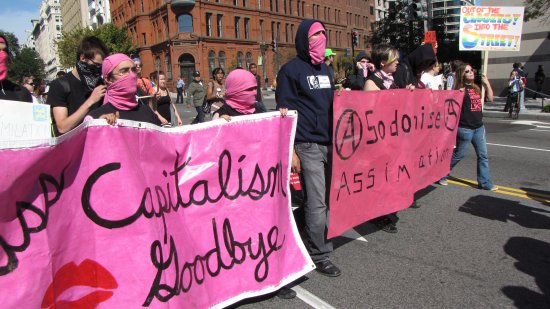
[(180, 36)]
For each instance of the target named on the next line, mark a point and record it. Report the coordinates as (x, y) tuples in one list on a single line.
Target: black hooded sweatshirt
[(308, 89), (357, 80), (417, 61)]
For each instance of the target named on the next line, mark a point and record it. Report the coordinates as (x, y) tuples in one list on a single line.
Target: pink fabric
[(3, 62), (238, 92), (404, 147), (121, 93), (123, 222), (317, 47), (387, 78)]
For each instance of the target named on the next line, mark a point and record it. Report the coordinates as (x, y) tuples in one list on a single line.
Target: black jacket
[(413, 64)]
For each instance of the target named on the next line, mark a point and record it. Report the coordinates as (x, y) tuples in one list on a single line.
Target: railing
[(543, 95)]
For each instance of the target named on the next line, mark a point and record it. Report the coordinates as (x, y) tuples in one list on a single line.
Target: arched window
[(185, 23), (211, 61), (221, 59), (248, 59), (240, 59)]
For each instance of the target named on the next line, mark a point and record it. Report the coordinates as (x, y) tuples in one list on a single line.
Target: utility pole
[(263, 48)]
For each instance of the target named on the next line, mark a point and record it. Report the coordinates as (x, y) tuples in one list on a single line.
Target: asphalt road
[(464, 248)]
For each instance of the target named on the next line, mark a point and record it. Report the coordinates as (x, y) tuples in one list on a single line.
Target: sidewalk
[(532, 109)]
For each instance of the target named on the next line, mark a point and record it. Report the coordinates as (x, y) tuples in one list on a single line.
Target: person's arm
[(370, 86), (210, 94), (66, 122), (180, 123), (488, 88)]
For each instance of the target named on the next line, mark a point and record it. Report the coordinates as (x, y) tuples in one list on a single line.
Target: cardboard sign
[(23, 123), (490, 28)]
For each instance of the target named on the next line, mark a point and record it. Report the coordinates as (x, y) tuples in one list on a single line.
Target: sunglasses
[(469, 71)]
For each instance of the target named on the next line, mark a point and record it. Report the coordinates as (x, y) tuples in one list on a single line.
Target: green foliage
[(537, 9), (116, 39), (23, 61), (397, 31), (27, 63), (546, 109)]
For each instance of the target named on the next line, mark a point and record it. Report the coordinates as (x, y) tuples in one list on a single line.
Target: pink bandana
[(121, 93), (3, 62), (317, 47), (239, 93)]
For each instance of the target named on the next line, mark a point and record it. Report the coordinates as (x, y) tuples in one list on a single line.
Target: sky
[(16, 15)]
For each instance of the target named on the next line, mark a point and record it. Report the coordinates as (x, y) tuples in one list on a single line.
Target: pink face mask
[(3, 65), (122, 93), (317, 47)]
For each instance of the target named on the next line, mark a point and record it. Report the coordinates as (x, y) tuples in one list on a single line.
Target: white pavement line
[(354, 235), (520, 147), (311, 299), (539, 130)]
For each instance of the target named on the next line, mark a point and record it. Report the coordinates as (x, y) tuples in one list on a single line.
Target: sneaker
[(443, 182), (493, 188), (386, 225), (286, 293)]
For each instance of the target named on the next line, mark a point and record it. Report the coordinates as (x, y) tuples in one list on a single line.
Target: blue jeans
[(315, 162), (477, 138)]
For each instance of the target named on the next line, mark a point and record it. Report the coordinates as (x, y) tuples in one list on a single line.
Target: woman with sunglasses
[(120, 100), (471, 128)]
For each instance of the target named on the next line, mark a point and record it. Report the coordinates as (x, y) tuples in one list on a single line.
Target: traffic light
[(355, 38), (417, 10)]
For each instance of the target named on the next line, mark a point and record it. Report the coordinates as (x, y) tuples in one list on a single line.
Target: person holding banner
[(471, 128), (74, 94), (304, 85), (8, 90), (120, 97), (240, 95)]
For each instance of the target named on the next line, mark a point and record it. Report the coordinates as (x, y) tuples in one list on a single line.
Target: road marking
[(311, 299), (352, 234), (539, 197), (539, 130), (520, 147)]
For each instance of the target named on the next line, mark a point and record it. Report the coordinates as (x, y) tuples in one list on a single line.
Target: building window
[(235, 2), (221, 59), (291, 33), (286, 33), (219, 25), (245, 3), (168, 67), (143, 39), (261, 30), (142, 7), (247, 28), (211, 60), (165, 21), (185, 23), (237, 27), (290, 7), (248, 59), (272, 30), (276, 5), (240, 59), (208, 24), (284, 6), (271, 5)]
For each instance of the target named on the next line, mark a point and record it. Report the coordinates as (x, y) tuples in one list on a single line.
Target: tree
[(27, 63), (116, 39), (23, 61), (537, 8), (392, 30)]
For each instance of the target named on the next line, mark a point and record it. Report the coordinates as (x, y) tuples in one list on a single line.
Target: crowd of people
[(112, 87)]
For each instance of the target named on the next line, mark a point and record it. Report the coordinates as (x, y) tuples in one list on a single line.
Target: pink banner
[(136, 215), (388, 145)]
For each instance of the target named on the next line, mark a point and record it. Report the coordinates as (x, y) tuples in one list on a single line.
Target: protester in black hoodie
[(8, 90), (411, 67), (304, 84), (362, 68)]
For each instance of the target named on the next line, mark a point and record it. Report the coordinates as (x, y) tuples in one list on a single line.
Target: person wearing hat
[(329, 59), (361, 71), (195, 96), (120, 78)]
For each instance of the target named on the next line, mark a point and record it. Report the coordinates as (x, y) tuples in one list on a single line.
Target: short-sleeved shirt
[(141, 113), (471, 116), (72, 100), (14, 92)]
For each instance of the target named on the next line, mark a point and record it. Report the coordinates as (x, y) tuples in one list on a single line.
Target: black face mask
[(90, 74)]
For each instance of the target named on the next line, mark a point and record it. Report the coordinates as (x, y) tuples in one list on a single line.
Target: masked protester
[(240, 95), (8, 90), (74, 94), (363, 66), (120, 98), (304, 84)]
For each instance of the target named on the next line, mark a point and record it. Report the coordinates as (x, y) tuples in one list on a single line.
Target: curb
[(522, 116)]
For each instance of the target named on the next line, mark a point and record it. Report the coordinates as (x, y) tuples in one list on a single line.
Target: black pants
[(179, 98), (200, 115)]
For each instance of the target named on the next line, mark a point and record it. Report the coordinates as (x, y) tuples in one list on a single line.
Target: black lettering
[(358, 181), (371, 128), (403, 168), (394, 128), (343, 184)]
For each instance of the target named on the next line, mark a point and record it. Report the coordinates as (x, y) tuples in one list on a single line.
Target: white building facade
[(447, 14), (381, 9), (46, 31), (99, 12)]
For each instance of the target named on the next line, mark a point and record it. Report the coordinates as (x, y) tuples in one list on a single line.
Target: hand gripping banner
[(386, 146), (135, 215)]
